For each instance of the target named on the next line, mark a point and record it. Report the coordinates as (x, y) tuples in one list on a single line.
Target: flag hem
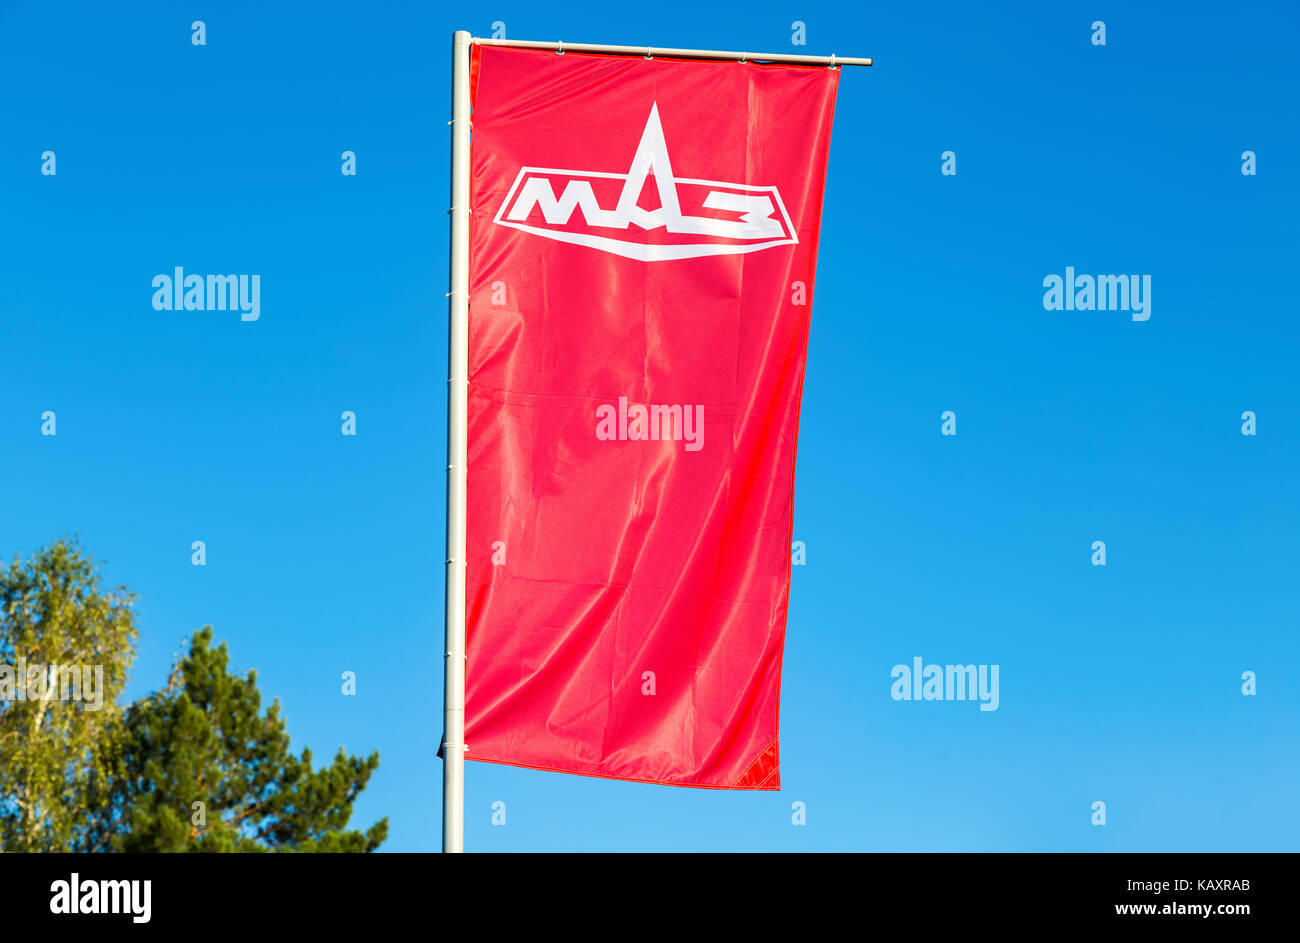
[(634, 779)]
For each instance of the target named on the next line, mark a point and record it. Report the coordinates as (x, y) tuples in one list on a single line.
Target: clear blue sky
[(1119, 684)]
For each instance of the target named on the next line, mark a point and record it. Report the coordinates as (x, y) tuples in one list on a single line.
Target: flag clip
[(559, 48)]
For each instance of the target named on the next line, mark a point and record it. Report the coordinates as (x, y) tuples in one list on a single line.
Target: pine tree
[(197, 766), (200, 768)]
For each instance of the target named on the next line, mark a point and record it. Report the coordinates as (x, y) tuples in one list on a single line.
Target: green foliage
[(204, 740), (197, 766), (53, 611)]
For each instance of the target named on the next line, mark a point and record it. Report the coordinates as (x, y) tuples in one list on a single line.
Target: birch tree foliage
[(66, 645)]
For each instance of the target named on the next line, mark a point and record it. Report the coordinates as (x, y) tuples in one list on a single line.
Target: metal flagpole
[(453, 708), (651, 51)]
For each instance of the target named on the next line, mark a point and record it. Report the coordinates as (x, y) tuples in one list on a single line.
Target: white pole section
[(453, 712), (651, 51)]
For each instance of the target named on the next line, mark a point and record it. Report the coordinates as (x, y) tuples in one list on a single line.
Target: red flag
[(642, 248)]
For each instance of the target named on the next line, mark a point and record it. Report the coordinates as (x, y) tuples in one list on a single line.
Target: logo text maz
[(602, 210)]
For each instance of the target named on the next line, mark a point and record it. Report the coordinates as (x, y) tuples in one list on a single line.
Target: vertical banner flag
[(643, 239)]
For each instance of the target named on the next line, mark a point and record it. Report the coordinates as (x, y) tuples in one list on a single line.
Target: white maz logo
[(744, 218)]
